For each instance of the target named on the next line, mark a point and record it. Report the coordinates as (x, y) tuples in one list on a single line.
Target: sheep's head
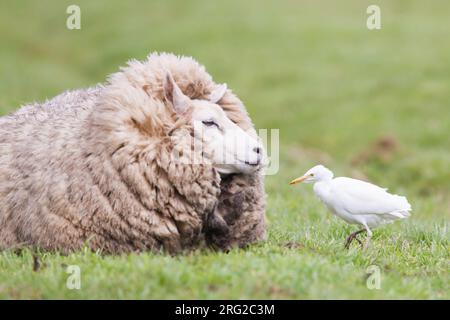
[(227, 146)]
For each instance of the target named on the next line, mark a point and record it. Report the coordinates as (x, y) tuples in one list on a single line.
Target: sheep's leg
[(352, 237), (217, 231)]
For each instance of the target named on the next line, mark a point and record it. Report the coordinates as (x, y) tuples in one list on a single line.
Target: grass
[(310, 69)]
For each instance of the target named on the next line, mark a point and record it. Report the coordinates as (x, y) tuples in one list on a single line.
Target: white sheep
[(106, 166)]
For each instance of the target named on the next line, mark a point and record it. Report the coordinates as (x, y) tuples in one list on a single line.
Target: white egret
[(356, 201)]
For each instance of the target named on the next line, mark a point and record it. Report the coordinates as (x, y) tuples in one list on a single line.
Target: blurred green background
[(368, 104)]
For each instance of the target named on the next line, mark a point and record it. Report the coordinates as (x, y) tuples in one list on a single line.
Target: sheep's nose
[(257, 150)]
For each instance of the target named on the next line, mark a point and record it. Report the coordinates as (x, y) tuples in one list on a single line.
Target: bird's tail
[(403, 206)]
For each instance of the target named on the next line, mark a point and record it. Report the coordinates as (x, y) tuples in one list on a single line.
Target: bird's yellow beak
[(298, 180)]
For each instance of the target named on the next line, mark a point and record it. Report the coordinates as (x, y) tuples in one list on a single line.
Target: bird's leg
[(359, 241), (369, 236), (352, 236)]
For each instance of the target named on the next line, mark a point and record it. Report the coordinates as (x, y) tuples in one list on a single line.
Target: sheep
[(113, 167)]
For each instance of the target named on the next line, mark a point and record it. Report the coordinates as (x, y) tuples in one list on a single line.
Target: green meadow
[(369, 104)]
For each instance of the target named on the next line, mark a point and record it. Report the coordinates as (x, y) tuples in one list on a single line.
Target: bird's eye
[(210, 123), (311, 174)]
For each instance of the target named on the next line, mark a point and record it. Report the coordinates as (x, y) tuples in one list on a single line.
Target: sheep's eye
[(311, 174), (210, 123)]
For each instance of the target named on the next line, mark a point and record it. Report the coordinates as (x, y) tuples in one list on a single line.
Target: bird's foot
[(352, 237), (349, 240)]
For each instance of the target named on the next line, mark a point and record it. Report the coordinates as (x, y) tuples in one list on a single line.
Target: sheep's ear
[(218, 93), (174, 95)]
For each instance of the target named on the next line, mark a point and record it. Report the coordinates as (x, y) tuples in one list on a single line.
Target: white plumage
[(356, 201)]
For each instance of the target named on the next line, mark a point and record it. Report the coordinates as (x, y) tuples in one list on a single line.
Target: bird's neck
[(321, 188), (324, 180)]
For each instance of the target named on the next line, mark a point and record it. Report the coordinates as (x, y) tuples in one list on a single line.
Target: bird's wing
[(360, 197)]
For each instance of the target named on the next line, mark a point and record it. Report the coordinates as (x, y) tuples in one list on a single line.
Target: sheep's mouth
[(252, 164), (246, 165), (238, 167)]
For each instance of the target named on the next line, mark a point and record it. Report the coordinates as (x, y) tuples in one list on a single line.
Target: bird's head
[(315, 174)]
